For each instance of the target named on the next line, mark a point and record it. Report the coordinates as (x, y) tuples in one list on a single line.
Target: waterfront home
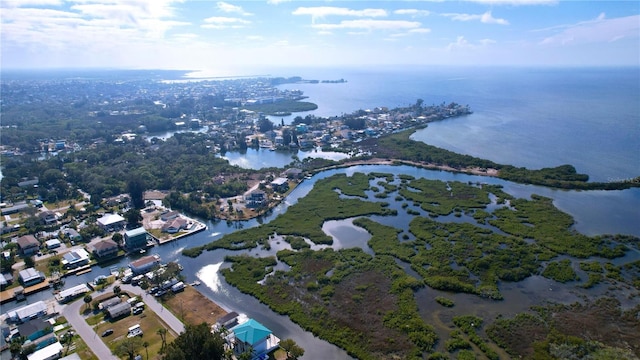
[(252, 336), (67, 295), (28, 312), (135, 239), (174, 225), (280, 184), (144, 264), (255, 199), (30, 276), (105, 249), (169, 215), (111, 222), (75, 258), (28, 245)]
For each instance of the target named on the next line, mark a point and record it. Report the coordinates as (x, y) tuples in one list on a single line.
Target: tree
[(291, 348), (163, 336), (136, 188), (196, 342), (128, 347), (133, 217), (146, 349), (87, 299), (117, 237), (117, 290), (29, 262), (264, 125)]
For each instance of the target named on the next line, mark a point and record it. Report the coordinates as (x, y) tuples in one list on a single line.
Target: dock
[(9, 294)]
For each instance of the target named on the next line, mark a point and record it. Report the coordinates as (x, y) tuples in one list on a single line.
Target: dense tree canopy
[(196, 342)]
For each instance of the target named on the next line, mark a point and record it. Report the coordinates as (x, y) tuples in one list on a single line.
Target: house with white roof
[(111, 222)]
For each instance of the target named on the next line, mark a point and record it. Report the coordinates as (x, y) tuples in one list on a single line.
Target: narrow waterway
[(597, 212)]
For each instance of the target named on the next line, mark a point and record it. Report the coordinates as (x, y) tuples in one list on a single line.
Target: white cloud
[(221, 22), (23, 3), (276, 2), (420, 31), (412, 12), (255, 37), (230, 8), (486, 18), (462, 43), (370, 24), (324, 11), (516, 2), (594, 31)]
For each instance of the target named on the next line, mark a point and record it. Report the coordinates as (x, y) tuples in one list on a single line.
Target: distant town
[(62, 215)]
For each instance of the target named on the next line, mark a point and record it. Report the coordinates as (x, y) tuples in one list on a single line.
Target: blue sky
[(246, 37)]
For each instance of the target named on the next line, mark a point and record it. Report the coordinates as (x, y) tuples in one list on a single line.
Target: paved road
[(93, 340), (173, 322), (87, 333)]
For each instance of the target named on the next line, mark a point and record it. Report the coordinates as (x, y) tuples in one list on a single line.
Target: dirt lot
[(193, 308)]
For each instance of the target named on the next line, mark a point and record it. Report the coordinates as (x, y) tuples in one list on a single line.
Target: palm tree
[(146, 346), (163, 335)]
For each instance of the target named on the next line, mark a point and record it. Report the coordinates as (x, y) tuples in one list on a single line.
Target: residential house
[(35, 329), (53, 244), (105, 305), (174, 225), (121, 309), (47, 217), (105, 249), (72, 234), (111, 222), (16, 208), (51, 352), (252, 336), (255, 199), (6, 279), (67, 295), (280, 184), (75, 258), (135, 239), (28, 312), (30, 276), (28, 245), (169, 215), (144, 264)]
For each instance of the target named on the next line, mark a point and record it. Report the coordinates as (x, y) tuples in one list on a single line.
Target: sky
[(246, 37)]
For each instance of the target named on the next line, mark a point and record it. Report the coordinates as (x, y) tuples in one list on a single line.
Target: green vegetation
[(305, 218), (596, 330), (399, 146), (444, 301), (282, 107), (328, 292), (196, 342), (560, 271), (361, 303)]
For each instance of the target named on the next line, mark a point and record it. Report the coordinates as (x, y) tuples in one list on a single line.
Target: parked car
[(137, 310), (153, 290), (160, 293), (107, 332)]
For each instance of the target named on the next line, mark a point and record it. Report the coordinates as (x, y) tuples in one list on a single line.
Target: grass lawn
[(192, 307)]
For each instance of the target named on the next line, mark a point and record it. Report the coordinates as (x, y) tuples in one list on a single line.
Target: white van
[(135, 330)]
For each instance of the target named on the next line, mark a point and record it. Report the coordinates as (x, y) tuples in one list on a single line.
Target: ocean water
[(532, 117)]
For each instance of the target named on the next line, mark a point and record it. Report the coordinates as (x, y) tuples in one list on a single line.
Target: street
[(72, 313)]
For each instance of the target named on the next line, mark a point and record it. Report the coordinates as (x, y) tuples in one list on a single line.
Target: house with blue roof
[(252, 336)]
